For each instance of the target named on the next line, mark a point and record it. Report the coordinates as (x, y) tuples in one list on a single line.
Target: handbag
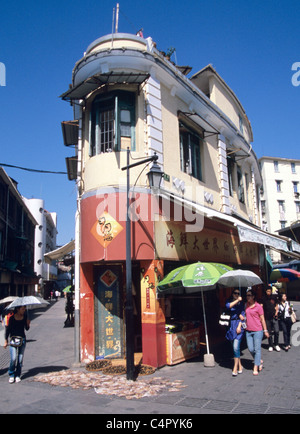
[(292, 313), (293, 317), (225, 317), (16, 341)]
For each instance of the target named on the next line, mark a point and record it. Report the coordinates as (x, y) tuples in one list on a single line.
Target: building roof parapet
[(144, 58)]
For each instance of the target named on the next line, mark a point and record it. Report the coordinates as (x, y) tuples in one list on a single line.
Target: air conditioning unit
[(296, 194)]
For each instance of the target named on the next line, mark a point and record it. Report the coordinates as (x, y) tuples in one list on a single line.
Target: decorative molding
[(209, 197), (178, 184)]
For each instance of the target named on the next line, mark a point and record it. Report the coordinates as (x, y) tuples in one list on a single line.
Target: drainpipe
[(77, 249)]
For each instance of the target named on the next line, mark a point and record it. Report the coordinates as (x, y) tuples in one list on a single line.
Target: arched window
[(112, 122)]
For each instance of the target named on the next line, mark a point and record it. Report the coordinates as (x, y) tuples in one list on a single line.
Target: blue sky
[(251, 44)]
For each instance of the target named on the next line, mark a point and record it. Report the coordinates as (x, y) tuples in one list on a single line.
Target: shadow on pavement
[(224, 356), (42, 370)]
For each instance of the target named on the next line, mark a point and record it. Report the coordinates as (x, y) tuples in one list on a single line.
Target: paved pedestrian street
[(186, 389)]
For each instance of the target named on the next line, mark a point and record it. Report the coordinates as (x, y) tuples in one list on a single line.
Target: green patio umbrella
[(200, 276), (68, 288), (197, 277)]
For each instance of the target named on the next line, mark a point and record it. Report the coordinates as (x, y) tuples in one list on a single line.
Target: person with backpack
[(235, 331)]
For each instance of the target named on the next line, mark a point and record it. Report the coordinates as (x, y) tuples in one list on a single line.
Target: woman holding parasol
[(15, 330)]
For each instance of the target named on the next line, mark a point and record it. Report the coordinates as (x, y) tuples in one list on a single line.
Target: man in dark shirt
[(270, 305)]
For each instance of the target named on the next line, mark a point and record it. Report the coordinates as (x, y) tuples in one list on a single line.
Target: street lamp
[(154, 175)]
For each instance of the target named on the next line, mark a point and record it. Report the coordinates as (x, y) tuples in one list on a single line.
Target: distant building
[(45, 241), (280, 195), (17, 231)]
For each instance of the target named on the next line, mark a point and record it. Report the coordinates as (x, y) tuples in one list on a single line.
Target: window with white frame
[(281, 206), (278, 186), (295, 187), (276, 167), (282, 224), (112, 122), (293, 167)]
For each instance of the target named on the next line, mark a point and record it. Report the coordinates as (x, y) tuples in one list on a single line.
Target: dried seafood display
[(114, 370), (112, 367), (98, 365), (110, 385)]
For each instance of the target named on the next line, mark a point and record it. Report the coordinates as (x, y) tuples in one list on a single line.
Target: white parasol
[(30, 301), (8, 299), (239, 279)]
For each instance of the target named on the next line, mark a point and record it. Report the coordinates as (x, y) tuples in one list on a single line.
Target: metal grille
[(224, 406), (194, 402), (278, 410), (106, 131), (251, 408)]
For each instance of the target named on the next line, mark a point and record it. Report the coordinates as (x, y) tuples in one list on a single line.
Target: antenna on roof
[(117, 25), (117, 18)]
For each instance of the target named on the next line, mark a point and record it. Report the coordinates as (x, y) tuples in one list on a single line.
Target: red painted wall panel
[(87, 313)]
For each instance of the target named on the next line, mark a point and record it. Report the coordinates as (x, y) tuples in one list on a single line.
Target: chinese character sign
[(173, 242), (108, 313)]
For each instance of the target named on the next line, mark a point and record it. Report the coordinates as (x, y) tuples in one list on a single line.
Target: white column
[(154, 118), (223, 175)]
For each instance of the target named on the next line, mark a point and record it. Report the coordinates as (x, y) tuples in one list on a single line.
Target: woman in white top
[(284, 313)]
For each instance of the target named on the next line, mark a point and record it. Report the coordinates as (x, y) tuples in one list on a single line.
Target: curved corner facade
[(126, 94)]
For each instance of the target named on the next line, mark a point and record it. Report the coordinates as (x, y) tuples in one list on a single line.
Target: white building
[(45, 241), (280, 196)]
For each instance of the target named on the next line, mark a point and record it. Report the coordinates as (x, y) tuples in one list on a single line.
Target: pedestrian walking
[(270, 305), (69, 310), (15, 330), (256, 328), (284, 314), (235, 332)]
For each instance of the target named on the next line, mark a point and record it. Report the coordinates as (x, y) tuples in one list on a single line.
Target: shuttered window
[(112, 122)]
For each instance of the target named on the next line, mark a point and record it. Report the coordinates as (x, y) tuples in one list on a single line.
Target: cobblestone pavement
[(213, 390)]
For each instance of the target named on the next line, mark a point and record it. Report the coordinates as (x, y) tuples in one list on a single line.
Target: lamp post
[(153, 176)]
